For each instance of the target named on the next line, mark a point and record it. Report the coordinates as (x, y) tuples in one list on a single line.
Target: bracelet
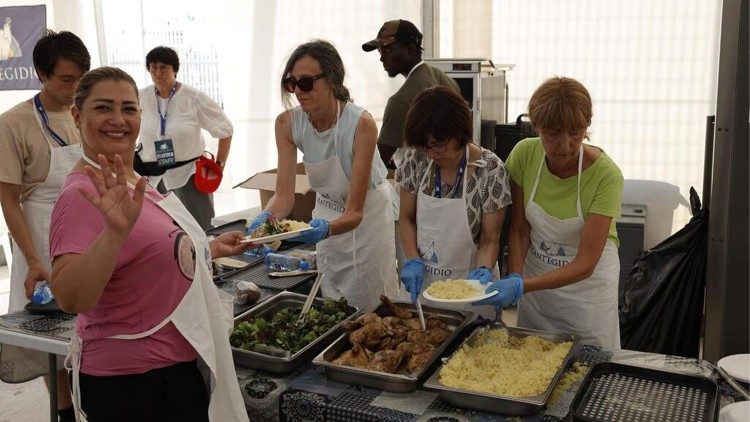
[(330, 231)]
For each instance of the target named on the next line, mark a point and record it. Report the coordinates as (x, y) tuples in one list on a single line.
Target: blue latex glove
[(258, 221), (483, 274), (412, 276), (509, 291), (319, 232)]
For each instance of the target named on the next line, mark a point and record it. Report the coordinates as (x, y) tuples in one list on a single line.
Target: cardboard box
[(304, 195)]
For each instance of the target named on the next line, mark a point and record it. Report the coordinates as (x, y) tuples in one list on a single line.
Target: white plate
[(735, 412), (274, 237), (738, 366), (474, 283)]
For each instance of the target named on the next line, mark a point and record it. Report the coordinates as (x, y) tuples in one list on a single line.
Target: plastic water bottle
[(279, 262), (260, 251), (42, 295)]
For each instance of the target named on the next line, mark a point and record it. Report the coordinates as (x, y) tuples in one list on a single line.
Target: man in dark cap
[(399, 43)]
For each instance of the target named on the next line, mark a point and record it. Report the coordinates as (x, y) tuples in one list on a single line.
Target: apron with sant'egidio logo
[(588, 307)]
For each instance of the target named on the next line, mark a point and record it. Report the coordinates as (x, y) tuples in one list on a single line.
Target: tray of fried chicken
[(387, 348)]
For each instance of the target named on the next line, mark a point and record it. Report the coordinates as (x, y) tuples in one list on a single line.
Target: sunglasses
[(305, 84)]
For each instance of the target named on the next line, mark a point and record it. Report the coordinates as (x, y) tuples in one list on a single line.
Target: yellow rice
[(453, 289), (503, 365)]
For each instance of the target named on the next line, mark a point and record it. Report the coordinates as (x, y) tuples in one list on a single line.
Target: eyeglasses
[(438, 147), (159, 67), (305, 84)]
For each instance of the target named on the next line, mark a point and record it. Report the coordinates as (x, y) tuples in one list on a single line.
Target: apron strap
[(578, 181), (73, 363)]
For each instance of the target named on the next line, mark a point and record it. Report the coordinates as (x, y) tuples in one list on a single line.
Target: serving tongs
[(310, 297), (421, 314)]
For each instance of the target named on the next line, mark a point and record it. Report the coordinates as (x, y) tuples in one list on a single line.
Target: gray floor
[(20, 402)]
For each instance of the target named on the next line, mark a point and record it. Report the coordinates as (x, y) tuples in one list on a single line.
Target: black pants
[(173, 393)]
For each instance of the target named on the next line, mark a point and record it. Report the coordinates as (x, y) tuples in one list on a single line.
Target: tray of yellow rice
[(510, 371)]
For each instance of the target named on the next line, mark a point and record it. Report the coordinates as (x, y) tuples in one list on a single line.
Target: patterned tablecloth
[(307, 395)]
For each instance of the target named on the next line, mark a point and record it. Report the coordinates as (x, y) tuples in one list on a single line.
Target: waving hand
[(113, 199)]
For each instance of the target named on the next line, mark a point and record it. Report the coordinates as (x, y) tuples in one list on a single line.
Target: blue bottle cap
[(304, 265)]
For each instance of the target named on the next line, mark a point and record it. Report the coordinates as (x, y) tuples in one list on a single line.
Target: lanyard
[(459, 176), (40, 109), (163, 117)]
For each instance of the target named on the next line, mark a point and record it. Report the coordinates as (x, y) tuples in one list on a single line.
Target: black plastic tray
[(615, 392), (229, 227), (258, 274), (48, 308)]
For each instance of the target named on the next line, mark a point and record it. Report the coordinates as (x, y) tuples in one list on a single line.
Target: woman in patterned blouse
[(453, 195)]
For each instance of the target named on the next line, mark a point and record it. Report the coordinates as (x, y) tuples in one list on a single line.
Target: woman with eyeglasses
[(355, 207), (173, 115), (563, 240), (453, 195)]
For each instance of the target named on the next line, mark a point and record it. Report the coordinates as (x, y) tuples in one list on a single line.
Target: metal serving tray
[(397, 383), (273, 361), (505, 405)]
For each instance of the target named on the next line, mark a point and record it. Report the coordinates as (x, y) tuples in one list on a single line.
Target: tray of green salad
[(270, 336)]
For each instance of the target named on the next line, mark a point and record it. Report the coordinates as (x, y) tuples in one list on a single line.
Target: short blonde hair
[(560, 103)]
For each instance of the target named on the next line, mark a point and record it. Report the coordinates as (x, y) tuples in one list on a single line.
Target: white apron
[(18, 364), (203, 316), (37, 208), (444, 239), (588, 307), (360, 264)]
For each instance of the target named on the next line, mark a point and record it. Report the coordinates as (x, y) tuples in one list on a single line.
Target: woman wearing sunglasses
[(453, 195), (355, 207)]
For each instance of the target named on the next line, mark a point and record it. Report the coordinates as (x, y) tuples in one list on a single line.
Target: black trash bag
[(661, 306)]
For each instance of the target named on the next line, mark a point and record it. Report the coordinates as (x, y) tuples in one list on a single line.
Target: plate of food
[(456, 291), (271, 231)]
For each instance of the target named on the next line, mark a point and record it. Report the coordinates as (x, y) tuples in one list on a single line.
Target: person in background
[(353, 219), (399, 43), (453, 195), (135, 266), (563, 241), (171, 139), (39, 144)]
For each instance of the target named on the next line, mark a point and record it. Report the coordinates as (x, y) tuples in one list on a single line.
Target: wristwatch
[(221, 164)]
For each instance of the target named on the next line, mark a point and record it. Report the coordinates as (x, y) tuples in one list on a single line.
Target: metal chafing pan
[(397, 383), (506, 405), (274, 360)]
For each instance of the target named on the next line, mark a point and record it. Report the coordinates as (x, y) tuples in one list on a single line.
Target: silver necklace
[(324, 134)]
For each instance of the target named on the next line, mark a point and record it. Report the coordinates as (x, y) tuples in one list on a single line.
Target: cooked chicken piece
[(385, 361), (387, 343), (434, 336), (429, 322), (358, 358), (395, 310), (363, 319), (370, 334), (393, 321), (416, 361), (411, 349)]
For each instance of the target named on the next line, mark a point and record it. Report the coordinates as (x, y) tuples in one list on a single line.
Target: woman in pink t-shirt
[(122, 262)]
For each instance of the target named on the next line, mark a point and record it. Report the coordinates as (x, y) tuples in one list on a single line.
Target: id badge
[(164, 152)]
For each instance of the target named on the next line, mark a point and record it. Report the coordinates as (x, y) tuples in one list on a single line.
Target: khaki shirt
[(394, 116), (24, 150)]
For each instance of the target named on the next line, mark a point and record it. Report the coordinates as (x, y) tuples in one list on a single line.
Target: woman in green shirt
[(563, 242)]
